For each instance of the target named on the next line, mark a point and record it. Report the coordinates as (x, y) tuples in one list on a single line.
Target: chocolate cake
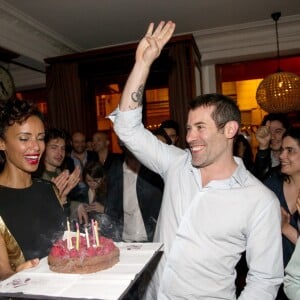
[(84, 260)]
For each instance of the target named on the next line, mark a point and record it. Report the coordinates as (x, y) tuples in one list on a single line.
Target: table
[(110, 284)]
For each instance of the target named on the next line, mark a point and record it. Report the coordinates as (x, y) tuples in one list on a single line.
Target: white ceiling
[(78, 25), (98, 23)]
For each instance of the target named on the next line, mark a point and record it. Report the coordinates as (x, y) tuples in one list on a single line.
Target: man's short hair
[(225, 108), (55, 133), (280, 117)]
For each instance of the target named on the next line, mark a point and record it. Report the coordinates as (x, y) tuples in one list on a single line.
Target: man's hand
[(263, 137), (147, 51), (151, 45)]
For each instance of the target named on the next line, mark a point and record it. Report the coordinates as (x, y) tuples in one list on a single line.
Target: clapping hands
[(65, 182)]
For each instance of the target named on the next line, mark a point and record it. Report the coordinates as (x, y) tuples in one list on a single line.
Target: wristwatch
[(7, 86)]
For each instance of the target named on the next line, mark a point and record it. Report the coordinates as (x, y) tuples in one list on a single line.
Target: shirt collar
[(238, 176), (241, 172)]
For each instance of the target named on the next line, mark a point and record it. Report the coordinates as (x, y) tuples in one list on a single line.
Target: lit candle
[(96, 233), (87, 238), (77, 236)]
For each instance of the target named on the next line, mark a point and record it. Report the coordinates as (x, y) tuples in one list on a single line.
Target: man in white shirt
[(134, 228), (134, 195), (213, 209)]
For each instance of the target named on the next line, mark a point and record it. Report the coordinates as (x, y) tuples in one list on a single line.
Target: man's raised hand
[(152, 43)]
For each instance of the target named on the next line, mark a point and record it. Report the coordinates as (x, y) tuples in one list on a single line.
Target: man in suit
[(132, 203)]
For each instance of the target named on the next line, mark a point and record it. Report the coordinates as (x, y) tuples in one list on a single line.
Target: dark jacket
[(149, 188), (275, 183), (262, 164)]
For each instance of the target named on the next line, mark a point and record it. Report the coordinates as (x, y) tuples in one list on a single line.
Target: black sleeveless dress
[(33, 216)]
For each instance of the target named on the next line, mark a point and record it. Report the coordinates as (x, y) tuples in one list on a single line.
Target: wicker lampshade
[(279, 92)]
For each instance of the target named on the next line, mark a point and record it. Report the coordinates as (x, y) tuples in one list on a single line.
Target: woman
[(31, 213), (94, 177), (286, 185), (94, 207)]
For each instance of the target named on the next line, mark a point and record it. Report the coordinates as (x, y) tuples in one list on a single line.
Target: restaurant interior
[(87, 85)]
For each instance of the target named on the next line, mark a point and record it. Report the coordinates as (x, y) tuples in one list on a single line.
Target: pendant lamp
[(279, 92)]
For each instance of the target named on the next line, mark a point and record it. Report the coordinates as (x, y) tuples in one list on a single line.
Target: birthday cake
[(85, 257)]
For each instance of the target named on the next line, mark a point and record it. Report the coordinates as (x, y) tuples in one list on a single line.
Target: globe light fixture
[(279, 92)]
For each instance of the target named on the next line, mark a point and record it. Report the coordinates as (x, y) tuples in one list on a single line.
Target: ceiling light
[(279, 92)]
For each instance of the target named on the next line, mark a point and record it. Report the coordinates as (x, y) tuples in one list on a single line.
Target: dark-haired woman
[(95, 178), (31, 213), (286, 185)]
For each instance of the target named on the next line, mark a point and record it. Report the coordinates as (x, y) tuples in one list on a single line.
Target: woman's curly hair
[(16, 111)]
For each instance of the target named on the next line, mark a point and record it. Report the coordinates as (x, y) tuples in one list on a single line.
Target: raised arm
[(148, 50)]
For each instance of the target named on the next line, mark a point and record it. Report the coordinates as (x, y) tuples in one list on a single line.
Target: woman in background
[(94, 177), (94, 207), (31, 213), (286, 184)]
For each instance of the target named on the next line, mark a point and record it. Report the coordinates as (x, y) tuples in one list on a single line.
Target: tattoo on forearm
[(137, 97)]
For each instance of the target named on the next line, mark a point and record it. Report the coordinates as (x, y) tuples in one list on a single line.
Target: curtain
[(180, 86), (67, 106)]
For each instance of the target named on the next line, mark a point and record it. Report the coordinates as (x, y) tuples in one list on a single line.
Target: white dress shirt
[(205, 229), (134, 228)]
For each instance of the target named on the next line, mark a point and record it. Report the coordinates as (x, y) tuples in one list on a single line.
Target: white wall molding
[(25, 79), (249, 41), (21, 34), (35, 42)]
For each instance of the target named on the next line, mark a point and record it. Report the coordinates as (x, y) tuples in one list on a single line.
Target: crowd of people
[(211, 205)]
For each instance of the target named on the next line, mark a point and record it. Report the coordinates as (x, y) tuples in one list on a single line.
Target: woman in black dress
[(31, 215)]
